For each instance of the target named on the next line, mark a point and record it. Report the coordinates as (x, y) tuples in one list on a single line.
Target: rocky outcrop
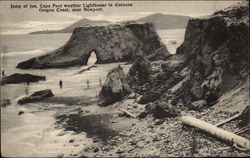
[(245, 116), (115, 87), (21, 78), (139, 73), (4, 102), (37, 96), (112, 43), (213, 59)]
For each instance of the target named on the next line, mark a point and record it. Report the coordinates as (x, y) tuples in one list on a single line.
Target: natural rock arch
[(113, 43), (92, 59)]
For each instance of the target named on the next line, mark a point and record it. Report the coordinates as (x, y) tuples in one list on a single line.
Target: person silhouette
[(88, 84), (60, 83), (3, 73)]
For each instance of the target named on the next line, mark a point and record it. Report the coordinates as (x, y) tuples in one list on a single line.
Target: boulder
[(20, 112), (245, 116), (21, 78), (5, 102), (111, 43), (37, 96), (163, 109), (149, 96), (139, 73), (115, 87)]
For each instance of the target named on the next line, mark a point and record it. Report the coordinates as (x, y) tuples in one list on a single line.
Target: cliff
[(212, 60), (112, 43)]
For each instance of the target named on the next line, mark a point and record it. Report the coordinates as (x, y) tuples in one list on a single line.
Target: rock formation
[(39, 95), (4, 102), (21, 78), (139, 73), (213, 59), (115, 87), (112, 43)]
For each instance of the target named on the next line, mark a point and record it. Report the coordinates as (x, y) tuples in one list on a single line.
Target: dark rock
[(115, 87), (211, 98), (5, 102), (162, 110), (36, 96), (96, 150), (20, 112), (139, 73), (111, 43), (21, 78), (142, 115), (149, 96), (245, 116), (71, 140)]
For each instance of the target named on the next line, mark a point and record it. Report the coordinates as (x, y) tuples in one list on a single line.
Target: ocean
[(34, 133)]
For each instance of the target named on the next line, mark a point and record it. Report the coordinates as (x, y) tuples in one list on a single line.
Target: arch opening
[(92, 58)]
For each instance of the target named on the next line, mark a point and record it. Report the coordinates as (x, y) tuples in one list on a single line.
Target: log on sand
[(217, 132)]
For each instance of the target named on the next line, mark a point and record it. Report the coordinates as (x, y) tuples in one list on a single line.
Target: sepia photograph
[(138, 78)]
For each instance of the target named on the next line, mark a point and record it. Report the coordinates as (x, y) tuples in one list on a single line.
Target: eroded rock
[(115, 87), (37, 96), (111, 43), (21, 78)]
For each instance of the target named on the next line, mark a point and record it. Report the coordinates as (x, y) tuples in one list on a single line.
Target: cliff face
[(213, 59), (113, 43)]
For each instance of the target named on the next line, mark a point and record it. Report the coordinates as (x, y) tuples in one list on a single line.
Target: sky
[(21, 21)]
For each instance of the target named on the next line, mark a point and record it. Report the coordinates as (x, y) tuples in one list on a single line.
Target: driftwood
[(87, 69), (217, 132), (242, 130), (228, 120), (128, 113)]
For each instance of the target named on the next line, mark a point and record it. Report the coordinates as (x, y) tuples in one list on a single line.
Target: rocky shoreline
[(138, 114), (208, 69)]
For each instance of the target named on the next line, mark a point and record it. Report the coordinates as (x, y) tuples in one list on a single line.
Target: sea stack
[(115, 87)]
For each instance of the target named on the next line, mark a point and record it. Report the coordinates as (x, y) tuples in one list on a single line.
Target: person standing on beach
[(27, 88), (100, 82), (60, 83), (88, 84), (3, 74)]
